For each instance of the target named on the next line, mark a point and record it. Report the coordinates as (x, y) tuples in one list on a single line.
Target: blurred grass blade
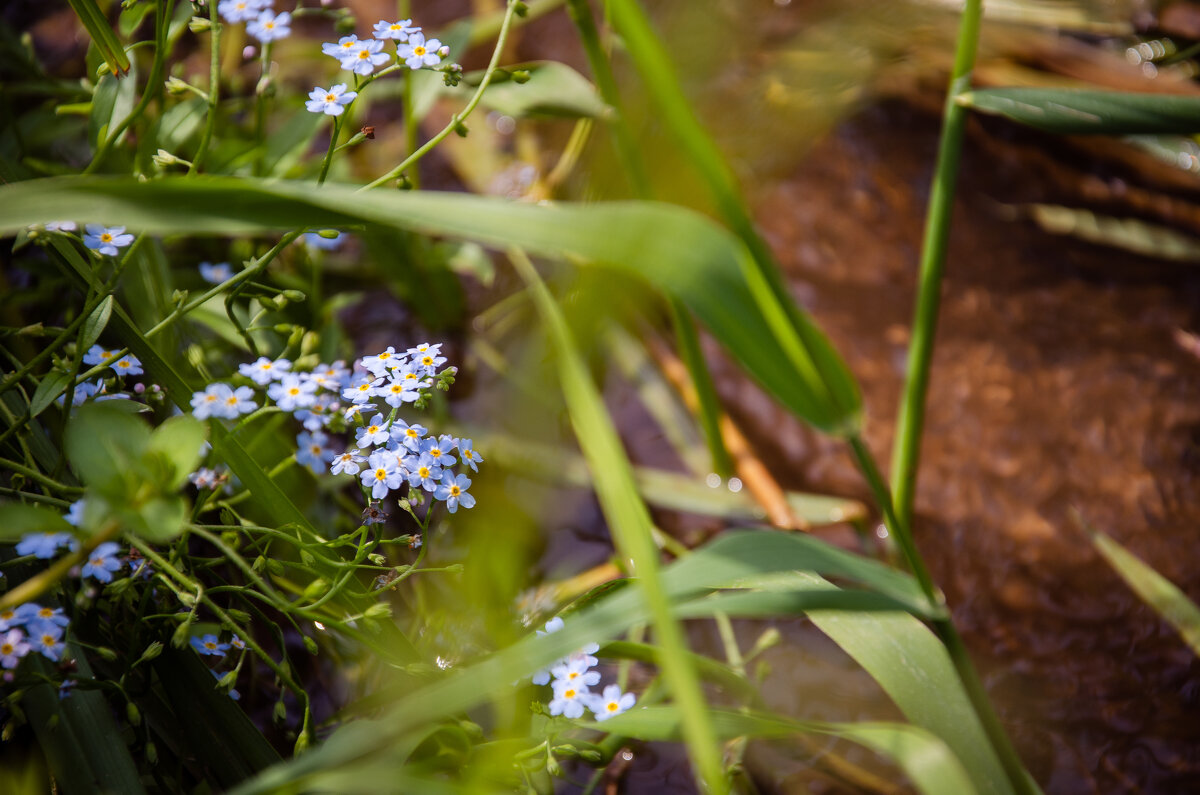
[(106, 41), (1078, 111), (913, 667), (1131, 234), (813, 362), (1154, 589), (740, 559), (679, 251), (927, 761), (630, 525), (662, 488)]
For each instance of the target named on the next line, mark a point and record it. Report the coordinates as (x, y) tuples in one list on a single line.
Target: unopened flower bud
[(294, 295), (368, 132), (249, 52), (131, 712), (175, 86), (443, 51), (311, 645), (199, 24), (521, 76), (520, 9), (151, 751), (152, 651), (280, 712), (379, 610), (164, 158), (345, 24), (106, 653)]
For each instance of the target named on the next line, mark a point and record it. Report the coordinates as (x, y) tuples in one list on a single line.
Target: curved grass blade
[(679, 251), (914, 669), (106, 41), (1154, 589), (926, 759), (1078, 111)]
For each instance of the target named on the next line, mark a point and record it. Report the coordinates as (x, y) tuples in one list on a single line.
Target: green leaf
[(180, 442), (678, 251), (18, 519), (159, 519), (913, 667), (112, 101), (553, 90), (1076, 111), (52, 385), (106, 42), (1154, 589), (105, 447), (95, 324), (927, 761)]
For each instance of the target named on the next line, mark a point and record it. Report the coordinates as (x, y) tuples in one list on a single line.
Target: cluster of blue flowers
[(211, 646), (364, 56), (31, 627), (100, 389), (261, 20), (573, 680), (388, 453)]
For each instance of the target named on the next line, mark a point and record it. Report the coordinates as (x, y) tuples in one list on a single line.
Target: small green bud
[(118, 587), (181, 636), (521, 76), (316, 588), (592, 757), (553, 767), (461, 130), (259, 563), (106, 653), (307, 558), (152, 651), (175, 86), (565, 751), (311, 645), (520, 9), (301, 744), (275, 567), (238, 615), (280, 712), (134, 715), (379, 610), (454, 568), (295, 296), (310, 342), (199, 24), (227, 681), (178, 297), (377, 559), (283, 328), (152, 753), (345, 24), (280, 301), (164, 158), (228, 517)]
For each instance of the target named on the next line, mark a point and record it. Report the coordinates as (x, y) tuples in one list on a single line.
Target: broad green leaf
[(112, 101), (105, 447), (84, 746), (180, 442), (913, 667), (1076, 111), (677, 250), (926, 759), (159, 519), (18, 519), (1154, 589), (52, 385), (95, 324), (214, 727), (553, 90)]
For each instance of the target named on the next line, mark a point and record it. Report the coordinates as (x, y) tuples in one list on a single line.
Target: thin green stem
[(153, 85), (333, 137), (911, 420), (214, 89), (461, 116)]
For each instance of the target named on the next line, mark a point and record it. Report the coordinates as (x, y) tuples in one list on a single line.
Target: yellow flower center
[(231, 400), (569, 693), (419, 51), (372, 429), (381, 474), (331, 97), (106, 238), (106, 354), (436, 453), (612, 706), (315, 449), (7, 649), (210, 398), (46, 612), (47, 640), (427, 360), (96, 561), (124, 363), (412, 434), (423, 472), (269, 25), (294, 391), (455, 491), (362, 56), (210, 645)]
